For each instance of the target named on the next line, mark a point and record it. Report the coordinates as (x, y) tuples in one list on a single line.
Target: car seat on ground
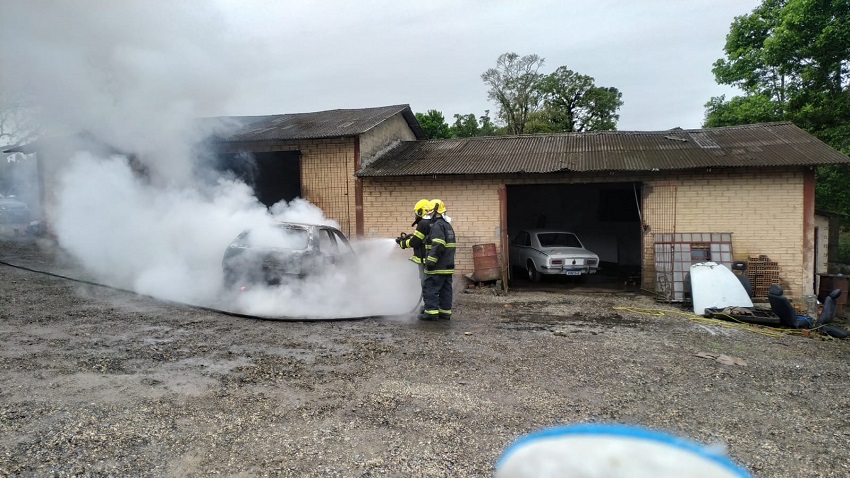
[(781, 306), (828, 311), (828, 314)]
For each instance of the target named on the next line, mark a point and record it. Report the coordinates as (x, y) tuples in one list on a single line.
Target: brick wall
[(763, 211), (327, 179)]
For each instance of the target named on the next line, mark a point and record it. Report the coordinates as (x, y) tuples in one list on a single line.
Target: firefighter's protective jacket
[(416, 241), (441, 253)]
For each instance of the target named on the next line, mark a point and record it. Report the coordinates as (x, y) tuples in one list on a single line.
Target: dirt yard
[(98, 382)]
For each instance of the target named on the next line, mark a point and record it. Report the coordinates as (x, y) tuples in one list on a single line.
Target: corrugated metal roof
[(758, 145), (316, 125)]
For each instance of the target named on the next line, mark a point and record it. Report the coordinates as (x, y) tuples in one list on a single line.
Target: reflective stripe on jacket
[(442, 251), (416, 241)]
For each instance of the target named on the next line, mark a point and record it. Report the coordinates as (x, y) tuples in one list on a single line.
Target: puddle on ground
[(551, 323)]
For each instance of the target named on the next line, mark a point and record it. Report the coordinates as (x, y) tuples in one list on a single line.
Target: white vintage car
[(551, 252)]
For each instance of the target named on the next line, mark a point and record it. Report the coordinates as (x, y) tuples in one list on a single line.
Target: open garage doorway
[(605, 217), (275, 176)]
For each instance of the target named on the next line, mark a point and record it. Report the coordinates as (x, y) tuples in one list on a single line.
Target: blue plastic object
[(557, 446)]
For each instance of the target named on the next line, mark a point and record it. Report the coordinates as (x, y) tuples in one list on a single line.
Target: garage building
[(647, 202)]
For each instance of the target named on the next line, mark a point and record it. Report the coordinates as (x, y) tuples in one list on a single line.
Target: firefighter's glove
[(401, 240), (430, 266)]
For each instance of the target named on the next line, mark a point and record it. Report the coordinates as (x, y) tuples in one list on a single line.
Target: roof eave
[(379, 174)]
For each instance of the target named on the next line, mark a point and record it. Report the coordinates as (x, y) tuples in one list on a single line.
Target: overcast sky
[(271, 57), (431, 54)]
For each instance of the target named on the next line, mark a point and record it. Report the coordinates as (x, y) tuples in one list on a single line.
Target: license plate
[(572, 273)]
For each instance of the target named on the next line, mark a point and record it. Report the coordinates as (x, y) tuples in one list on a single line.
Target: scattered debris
[(737, 311), (722, 358), (477, 287)]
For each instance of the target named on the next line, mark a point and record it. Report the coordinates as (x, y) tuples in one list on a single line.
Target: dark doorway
[(275, 176), (278, 176), (606, 218)]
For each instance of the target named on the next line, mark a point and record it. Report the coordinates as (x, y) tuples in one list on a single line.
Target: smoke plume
[(135, 77)]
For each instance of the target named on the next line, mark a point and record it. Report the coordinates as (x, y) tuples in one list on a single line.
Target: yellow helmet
[(421, 207), (436, 205)]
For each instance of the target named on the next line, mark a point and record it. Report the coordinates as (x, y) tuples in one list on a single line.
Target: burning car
[(283, 251), (551, 252)]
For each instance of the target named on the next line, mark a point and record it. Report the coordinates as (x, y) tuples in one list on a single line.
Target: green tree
[(562, 101), (791, 59), (433, 124), (466, 126), (486, 127), (757, 108), (573, 103), (539, 122), (514, 86)]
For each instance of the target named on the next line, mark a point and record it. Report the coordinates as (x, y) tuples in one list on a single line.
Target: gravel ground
[(98, 382)]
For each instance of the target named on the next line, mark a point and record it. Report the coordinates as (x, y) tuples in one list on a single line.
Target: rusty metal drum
[(485, 262)]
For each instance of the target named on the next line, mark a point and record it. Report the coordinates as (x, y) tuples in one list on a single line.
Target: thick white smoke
[(136, 76)]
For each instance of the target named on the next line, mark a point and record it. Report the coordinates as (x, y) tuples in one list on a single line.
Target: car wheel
[(533, 275)]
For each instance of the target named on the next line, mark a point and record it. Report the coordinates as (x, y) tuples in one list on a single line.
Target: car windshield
[(280, 237), (558, 239)]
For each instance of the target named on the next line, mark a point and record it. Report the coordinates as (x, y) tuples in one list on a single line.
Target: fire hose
[(283, 318)]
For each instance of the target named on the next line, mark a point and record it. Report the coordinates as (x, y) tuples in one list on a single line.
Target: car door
[(343, 246), (328, 249), (345, 253)]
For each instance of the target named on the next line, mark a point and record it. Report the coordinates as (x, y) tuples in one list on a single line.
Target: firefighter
[(439, 264)]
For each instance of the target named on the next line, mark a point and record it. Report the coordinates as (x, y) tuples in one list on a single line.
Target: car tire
[(533, 275)]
